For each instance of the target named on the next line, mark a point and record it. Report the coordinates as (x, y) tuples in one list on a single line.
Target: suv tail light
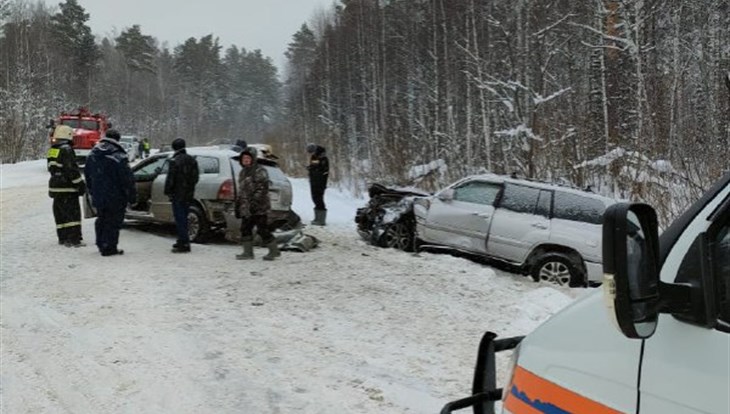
[(226, 191)]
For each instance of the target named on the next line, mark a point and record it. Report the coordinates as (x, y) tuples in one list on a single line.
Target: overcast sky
[(253, 24)]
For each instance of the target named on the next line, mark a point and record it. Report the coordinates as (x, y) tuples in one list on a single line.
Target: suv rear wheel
[(556, 268)]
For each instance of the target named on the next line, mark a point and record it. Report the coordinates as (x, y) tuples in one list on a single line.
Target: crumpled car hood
[(387, 205)]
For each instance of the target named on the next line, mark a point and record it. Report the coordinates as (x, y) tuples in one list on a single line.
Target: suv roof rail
[(565, 184)]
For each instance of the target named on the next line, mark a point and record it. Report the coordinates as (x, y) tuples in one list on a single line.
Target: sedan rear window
[(275, 174), (207, 165)]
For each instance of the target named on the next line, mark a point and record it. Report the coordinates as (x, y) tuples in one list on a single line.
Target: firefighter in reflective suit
[(64, 187)]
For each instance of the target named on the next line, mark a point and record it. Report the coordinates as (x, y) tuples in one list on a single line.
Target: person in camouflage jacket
[(253, 205)]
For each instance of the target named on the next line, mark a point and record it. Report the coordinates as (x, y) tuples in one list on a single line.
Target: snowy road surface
[(346, 328)]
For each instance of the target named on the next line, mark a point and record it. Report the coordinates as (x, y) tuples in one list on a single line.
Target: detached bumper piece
[(484, 387)]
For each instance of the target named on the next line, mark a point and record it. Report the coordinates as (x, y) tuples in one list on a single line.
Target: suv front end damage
[(387, 220)]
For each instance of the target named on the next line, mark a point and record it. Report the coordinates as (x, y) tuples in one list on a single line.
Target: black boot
[(182, 248), (273, 250), (320, 217), (247, 250)]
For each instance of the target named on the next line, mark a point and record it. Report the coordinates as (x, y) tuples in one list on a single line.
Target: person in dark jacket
[(180, 188), (65, 186), (140, 148), (111, 186), (319, 169), (253, 205)]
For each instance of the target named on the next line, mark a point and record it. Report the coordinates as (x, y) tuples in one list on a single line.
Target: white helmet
[(63, 132)]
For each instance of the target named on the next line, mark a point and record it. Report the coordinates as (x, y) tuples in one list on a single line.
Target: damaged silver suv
[(550, 232)]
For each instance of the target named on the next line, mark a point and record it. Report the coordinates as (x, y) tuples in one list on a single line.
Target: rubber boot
[(320, 217), (247, 250), (273, 250), (182, 248)]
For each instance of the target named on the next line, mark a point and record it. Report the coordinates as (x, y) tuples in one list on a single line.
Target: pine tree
[(73, 38), (138, 50)]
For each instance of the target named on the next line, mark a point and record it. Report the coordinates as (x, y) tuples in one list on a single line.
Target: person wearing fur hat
[(319, 169), (180, 188), (253, 205)]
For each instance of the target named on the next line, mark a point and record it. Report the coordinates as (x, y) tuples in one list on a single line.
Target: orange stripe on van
[(531, 394)]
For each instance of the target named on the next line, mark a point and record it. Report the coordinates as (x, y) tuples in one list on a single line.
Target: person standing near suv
[(65, 186), (180, 188), (319, 169), (111, 186), (253, 205)]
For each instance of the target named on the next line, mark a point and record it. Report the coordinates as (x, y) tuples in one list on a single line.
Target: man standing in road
[(111, 186), (319, 169), (180, 188), (65, 186)]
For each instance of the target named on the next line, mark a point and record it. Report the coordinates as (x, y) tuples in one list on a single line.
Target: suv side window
[(574, 207), (478, 192), (544, 203), (520, 199), (207, 165)]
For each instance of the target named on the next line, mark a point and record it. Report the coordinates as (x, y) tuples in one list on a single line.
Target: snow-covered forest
[(627, 97), (50, 61)]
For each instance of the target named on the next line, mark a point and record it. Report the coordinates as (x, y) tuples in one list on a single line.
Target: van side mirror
[(631, 268), (446, 195)]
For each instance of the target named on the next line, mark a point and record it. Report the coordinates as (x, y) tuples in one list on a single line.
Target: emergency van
[(655, 339)]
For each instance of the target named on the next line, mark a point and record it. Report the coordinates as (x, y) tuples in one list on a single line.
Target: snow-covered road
[(345, 328)]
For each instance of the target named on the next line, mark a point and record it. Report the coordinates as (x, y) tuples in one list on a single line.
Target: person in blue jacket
[(110, 184)]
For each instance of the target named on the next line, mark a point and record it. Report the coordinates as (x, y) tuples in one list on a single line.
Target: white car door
[(462, 221), (144, 175), (160, 204), (521, 220)]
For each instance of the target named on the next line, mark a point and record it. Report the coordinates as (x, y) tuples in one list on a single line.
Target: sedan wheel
[(197, 225), (398, 235)]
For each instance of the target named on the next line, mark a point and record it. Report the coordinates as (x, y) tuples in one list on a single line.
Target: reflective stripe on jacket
[(65, 178)]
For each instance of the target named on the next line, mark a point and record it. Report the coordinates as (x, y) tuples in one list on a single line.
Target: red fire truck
[(88, 130)]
